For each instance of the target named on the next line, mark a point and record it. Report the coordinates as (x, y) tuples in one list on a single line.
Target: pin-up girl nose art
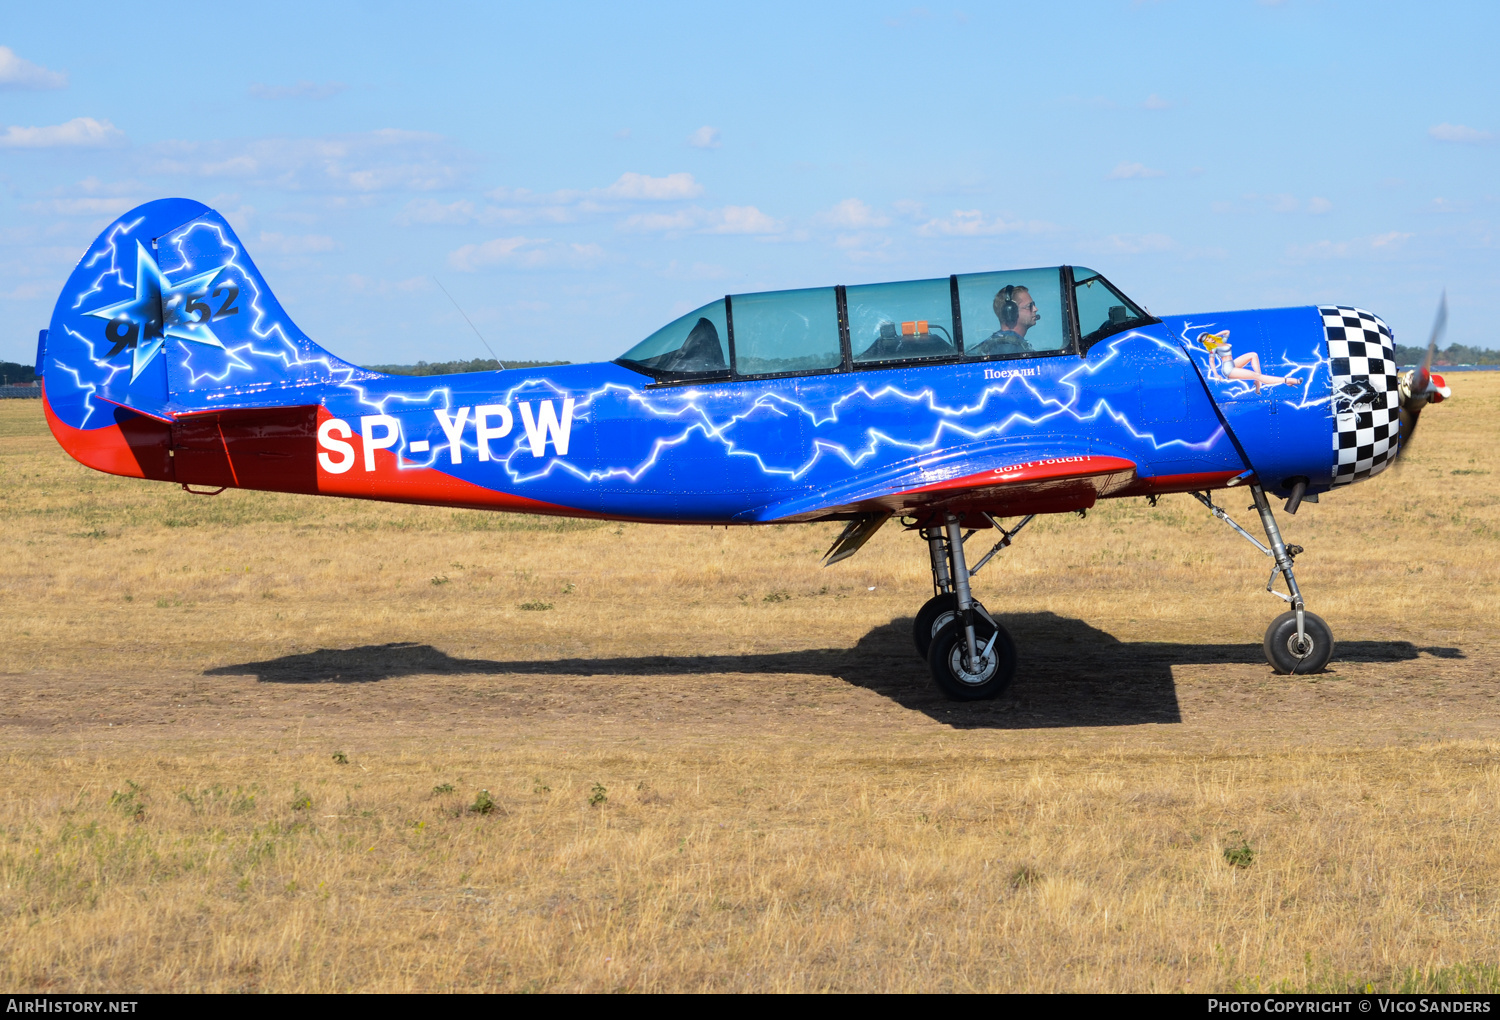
[(1246, 367)]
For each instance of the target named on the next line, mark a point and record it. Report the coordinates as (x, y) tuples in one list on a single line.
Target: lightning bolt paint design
[(263, 360), (115, 270), (949, 423)]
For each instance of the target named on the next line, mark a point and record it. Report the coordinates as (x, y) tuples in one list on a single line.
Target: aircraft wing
[(1012, 483)]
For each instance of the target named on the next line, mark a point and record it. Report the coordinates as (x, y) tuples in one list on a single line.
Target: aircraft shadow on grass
[(1070, 674)]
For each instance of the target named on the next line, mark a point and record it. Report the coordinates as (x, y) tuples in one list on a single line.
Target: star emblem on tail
[(159, 309)]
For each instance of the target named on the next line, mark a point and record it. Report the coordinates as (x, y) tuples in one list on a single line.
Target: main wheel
[(935, 612), (975, 681), (1287, 655)]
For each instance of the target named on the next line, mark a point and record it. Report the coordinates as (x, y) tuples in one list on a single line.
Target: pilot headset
[(1010, 312)]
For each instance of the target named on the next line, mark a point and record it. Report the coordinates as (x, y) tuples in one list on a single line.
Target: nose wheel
[(1297, 641)]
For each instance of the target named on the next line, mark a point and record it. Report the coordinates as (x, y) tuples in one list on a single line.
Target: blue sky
[(577, 175)]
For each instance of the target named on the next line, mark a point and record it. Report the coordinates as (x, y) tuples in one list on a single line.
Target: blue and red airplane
[(951, 404)]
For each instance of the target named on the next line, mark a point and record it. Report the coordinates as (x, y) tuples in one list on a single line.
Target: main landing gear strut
[(972, 657), (1297, 641)]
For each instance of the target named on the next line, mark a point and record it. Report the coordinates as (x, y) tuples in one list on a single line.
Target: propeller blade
[(1421, 387), (1439, 324)]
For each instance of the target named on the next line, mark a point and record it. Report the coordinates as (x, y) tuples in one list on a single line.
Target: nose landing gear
[(1297, 641)]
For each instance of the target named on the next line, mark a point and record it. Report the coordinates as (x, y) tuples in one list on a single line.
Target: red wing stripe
[(1044, 469)]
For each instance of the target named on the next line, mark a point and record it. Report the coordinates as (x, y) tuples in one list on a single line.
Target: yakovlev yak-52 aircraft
[(954, 404)]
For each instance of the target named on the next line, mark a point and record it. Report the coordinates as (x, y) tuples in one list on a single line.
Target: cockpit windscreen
[(1102, 309), (689, 346)]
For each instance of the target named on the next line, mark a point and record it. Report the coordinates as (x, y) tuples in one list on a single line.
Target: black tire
[(945, 657), (1281, 644), (935, 612)]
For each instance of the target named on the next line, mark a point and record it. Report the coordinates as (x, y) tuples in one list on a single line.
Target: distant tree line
[(12, 373), (1456, 354), (455, 367)]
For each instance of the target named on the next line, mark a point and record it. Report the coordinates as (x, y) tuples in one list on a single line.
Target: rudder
[(165, 314)]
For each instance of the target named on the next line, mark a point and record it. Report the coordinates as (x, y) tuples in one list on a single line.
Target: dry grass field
[(281, 743)]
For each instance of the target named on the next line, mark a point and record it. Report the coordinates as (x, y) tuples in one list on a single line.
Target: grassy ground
[(247, 737)]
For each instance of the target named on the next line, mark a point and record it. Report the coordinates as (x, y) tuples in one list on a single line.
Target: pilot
[(1017, 313)]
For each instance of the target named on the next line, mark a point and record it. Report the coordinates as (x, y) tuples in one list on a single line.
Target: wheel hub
[(965, 672)]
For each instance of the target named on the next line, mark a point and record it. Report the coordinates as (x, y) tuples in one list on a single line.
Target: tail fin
[(166, 316)]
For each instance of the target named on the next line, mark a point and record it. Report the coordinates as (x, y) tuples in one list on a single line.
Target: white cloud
[(369, 285), (522, 252), (731, 219), (1446, 205), (744, 219), (527, 196), (301, 90), (94, 186), (429, 211), (1279, 203), (1129, 244), (18, 73), (294, 244), (865, 246), (372, 161), (80, 132), (852, 214), (1459, 133), (522, 205), (679, 222), (1156, 102), (1377, 244), (83, 206), (1133, 172), (972, 223), (640, 187), (704, 138)]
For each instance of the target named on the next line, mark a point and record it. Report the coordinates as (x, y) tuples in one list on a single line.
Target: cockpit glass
[(1102, 309), (900, 321), (786, 331), (1015, 314), (691, 345)]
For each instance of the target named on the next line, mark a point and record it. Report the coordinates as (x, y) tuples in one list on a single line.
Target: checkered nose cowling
[(1366, 397)]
